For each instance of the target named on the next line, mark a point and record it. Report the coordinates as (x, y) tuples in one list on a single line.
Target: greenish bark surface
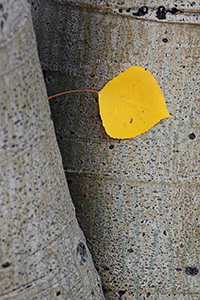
[(43, 253), (136, 200)]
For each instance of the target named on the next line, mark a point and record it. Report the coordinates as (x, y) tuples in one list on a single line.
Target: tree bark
[(43, 252), (137, 200)]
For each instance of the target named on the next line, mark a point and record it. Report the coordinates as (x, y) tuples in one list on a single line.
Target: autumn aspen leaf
[(131, 103)]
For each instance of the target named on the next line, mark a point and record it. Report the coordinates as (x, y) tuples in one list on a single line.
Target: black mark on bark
[(191, 271), (81, 253), (141, 11)]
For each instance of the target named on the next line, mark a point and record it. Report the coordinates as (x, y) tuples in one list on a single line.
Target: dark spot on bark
[(174, 10), (165, 40), (161, 13), (128, 10), (106, 269), (141, 11), (5, 16), (111, 146), (121, 293), (148, 294), (191, 271), (191, 136), (58, 293), (143, 234), (181, 245), (120, 10), (5, 265), (130, 250), (178, 269), (28, 286), (2, 24), (81, 253), (164, 232)]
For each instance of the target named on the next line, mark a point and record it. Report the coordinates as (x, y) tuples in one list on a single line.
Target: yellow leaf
[(131, 103)]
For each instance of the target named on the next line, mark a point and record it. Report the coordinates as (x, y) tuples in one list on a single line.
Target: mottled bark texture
[(137, 200), (43, 253)]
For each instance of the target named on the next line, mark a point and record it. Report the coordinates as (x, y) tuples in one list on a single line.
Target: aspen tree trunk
[(137, 200), (43, 253)]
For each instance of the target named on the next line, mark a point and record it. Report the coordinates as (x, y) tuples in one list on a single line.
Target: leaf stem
[(74, 91)]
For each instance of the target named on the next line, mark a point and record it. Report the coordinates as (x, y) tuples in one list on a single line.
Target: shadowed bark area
[(43, 253), (137, 200)]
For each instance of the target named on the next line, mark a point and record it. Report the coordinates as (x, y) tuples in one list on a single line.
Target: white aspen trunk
[(43, 253), (137, 200)]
